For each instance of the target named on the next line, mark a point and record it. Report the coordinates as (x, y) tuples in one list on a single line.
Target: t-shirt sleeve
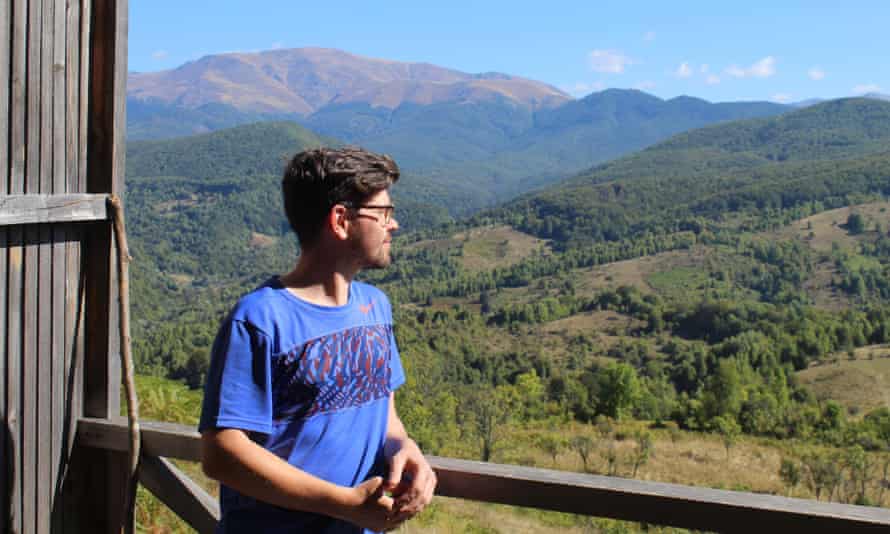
[(397, 373), (238, 391)]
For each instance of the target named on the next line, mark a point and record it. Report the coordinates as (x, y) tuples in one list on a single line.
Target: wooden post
[(106, 122)]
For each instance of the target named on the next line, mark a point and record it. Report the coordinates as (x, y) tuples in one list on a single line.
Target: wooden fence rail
[(618, 498)]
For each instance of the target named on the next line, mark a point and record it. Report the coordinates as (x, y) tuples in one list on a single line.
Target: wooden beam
[(38, 208), (563, 491), (188, 500), (649, 502), (158, 439)]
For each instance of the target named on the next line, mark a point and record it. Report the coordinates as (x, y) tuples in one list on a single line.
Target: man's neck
[(319, 279)]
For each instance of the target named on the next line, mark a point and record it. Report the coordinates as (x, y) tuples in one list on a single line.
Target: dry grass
[(827, 227), (861, 385), (258, 240), (635, 272), (492, 247)]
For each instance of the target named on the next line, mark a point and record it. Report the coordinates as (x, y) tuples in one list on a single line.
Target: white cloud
[(712, 79), (611, 61), (584, 88), (645, 86), (649, 36), (866, 88), (159, 55), (816, 73), (277, 45), (781, 98), (764, 68), (683, 71)]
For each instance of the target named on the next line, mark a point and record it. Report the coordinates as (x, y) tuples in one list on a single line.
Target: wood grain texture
[(30, 377), (15, 274), (58, 235), (6, 32), (37, 208), (175, 489)]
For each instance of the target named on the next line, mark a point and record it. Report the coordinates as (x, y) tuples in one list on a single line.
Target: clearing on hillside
[(821, 230), (500, 246), (861, 384), (638, 271)]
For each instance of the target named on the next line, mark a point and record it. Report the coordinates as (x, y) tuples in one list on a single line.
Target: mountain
[(304, 80), (877, 96), (818, 154), (473, 139)]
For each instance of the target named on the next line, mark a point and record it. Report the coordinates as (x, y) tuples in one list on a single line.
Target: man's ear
[(338, 221)]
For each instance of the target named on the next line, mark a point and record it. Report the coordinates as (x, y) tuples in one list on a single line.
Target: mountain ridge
[(303, 80)]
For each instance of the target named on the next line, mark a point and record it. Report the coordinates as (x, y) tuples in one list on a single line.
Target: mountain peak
[(303, 80)]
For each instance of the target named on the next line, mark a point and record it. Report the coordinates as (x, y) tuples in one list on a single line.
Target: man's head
[(317, 180)]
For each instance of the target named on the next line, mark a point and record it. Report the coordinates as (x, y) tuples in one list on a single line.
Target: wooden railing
[(618, 498)]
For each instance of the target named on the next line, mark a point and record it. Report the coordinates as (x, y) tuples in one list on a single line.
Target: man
[(299, 422)]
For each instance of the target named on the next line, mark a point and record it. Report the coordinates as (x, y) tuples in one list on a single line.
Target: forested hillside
[(697, 285)]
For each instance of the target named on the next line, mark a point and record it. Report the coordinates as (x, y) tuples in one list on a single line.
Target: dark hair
[(316, 180)]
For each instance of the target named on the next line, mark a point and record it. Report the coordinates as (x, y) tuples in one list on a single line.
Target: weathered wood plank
[(43, 290), (43, 387), (18, 98), (28, 469), (74, 289), (4, 357), (158, 439), (17, 147), (30, 354), (187, 499), (58, 458), (651, 502), (73, 278), (5, 85), (37, 208), (59, 173), (619, 498), (83, 94), (5, 163), (72, 96), (13, 377)]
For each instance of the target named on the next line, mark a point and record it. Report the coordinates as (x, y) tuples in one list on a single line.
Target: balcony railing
[(562, 491)]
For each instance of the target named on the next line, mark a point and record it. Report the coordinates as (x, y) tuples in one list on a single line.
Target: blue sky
[(782, 51)]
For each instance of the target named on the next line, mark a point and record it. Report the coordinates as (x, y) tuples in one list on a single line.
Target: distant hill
[(819, 153), (486, 136)]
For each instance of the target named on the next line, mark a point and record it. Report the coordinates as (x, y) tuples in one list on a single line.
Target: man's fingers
[(396, 466), (372, 486)]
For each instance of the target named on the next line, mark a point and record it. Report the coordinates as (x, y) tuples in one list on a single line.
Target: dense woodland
[(711, 345)]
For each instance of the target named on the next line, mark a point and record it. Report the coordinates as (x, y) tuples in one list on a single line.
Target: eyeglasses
[(384, 219)]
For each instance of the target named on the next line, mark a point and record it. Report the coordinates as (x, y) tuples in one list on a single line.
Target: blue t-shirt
[(309, 383)]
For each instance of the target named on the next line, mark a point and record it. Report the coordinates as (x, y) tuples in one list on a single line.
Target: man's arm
[(229, 456), (411, 480)]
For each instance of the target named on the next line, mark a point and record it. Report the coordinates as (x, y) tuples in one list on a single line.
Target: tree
[(642, 452), (855, 224), (550, 444), (619, 389), (729, 431), (489, 411), (583, 444), (790, 473), (823, 473)]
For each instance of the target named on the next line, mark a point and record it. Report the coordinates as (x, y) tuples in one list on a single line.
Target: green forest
[(689, 289)]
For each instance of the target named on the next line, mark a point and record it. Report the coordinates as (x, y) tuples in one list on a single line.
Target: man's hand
[(369, 508), (411, 480)]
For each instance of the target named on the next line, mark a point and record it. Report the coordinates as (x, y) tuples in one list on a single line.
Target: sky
[(779, 50)]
